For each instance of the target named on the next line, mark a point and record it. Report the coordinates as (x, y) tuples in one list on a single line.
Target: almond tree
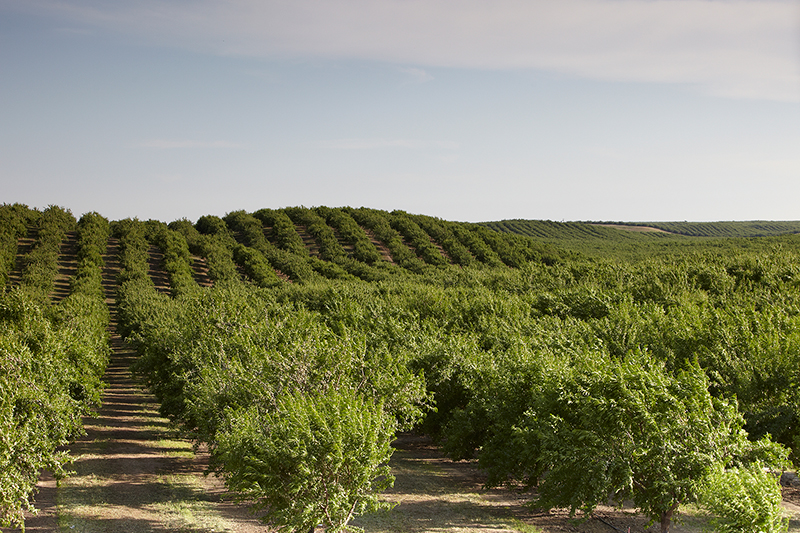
[(315, 460), (630, 430)]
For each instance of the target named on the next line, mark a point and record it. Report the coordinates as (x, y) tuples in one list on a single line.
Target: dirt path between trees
[(132, 473)]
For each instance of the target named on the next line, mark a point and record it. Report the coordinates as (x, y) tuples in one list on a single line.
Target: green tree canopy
[(316, 460), (629, 430)]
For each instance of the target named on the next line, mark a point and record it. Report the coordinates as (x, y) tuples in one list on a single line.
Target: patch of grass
[(188, 515), (522, 527), (174, 502), (174, 448), (429, 497)]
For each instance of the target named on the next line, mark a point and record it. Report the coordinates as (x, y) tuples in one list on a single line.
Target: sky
[(467, 110)]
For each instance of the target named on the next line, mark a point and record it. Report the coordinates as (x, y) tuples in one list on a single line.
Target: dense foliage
[(728, 229), (340, 221), (547, 229), (40, 264), (525, 352), (15, 220), (636, 367), (319, 458), (51, 360), (743, 500), (623, 429)]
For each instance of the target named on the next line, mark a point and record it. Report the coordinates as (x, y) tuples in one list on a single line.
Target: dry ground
[(133, 474), (434, 494)]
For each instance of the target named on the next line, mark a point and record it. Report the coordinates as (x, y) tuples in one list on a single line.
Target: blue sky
[(473, 110)]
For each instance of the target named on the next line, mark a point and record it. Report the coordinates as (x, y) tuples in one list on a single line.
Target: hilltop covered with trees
[(647, 367)]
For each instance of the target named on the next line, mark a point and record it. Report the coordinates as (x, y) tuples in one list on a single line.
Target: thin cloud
[(731, 48), (164, 144), (417, 75), (372, 144)]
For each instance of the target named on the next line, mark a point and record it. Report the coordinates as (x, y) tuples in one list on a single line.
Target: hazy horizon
[(577, 110)]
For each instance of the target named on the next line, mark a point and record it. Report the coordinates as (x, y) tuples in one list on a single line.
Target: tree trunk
[(666, 519)]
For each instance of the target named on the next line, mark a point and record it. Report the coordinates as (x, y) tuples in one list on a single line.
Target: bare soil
[(348, 247), (309, 241), (67, 266), (157, 274), (133, 473), (432, 493), (383, 250), (24, 245), (200, 270)]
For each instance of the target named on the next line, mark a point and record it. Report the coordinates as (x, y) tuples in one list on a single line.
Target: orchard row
[(52, 357), (669, 379)]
